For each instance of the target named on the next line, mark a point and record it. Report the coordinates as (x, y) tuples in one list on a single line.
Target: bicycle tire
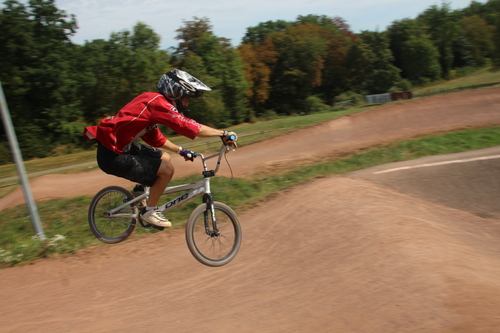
[(214, 250), (111, 230)]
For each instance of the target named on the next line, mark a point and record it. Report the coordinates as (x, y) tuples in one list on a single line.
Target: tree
[(99, 82), (495, 20), (223, 67), (16, 48), (335, 73), (235, 87), (209, 109), (144, 62), (301, 55), (421, 60), (490, 13), (399, 32), (263, 30), (480, 36), (485, 11), (443, 31), (370, 64), (36, 72), (117, 70), (326, 22), (190, 33), (463, 52), (309, 60), (258, 61)]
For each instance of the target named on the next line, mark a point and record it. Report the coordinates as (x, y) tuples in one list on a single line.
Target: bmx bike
[(213, 231)]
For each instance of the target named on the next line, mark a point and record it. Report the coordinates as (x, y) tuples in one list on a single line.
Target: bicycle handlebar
[(224, 149)]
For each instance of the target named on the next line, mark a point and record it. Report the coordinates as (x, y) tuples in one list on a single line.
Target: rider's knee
[(166, 167), (166, 157)]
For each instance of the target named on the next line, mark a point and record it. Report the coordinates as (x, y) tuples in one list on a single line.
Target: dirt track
[(340, 254)]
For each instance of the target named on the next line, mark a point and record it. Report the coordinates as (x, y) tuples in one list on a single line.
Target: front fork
[(209, 201)]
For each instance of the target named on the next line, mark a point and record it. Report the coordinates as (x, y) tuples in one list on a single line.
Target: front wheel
[(213, 246), (109, 229)]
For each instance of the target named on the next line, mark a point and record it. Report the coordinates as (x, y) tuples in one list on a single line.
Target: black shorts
[(140, 164)]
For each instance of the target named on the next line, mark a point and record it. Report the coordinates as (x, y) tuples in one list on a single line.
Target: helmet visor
[(193, 94)]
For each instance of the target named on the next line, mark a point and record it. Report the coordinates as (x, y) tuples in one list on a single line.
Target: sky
[(230, 19)]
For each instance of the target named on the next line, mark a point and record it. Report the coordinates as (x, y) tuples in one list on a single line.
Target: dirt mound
[(336, 255)]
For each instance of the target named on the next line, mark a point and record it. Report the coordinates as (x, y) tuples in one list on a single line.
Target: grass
[(42, 164), (65, 221), (484, 76)]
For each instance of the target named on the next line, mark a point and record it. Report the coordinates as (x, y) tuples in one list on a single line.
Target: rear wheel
[(107, 229), (213, 247)]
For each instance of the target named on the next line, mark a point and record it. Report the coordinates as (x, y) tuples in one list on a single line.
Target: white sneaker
[(155, 216)]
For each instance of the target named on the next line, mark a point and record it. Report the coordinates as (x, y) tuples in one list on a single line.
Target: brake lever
[(233, 144), (230, 142)]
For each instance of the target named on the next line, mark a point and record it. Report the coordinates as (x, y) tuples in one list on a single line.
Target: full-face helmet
[(177, 84)]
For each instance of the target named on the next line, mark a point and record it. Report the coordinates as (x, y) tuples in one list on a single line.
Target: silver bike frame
[(195, 189)]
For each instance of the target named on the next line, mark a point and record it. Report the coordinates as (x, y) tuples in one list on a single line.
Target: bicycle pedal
[(157, 227), (144, 224)]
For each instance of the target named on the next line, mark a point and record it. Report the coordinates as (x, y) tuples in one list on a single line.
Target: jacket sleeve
[(90, 132), (154, 137), (164, 113)]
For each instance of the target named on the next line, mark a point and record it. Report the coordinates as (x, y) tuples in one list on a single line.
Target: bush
[(401, 86), (404, 85), (268, 115), (5, 154), (33, 142), (314, 104), (355, 98)]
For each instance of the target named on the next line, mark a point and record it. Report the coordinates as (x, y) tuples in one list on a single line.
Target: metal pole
[(21, 171)]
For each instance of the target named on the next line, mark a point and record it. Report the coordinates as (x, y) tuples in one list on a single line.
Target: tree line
[(54, 88)]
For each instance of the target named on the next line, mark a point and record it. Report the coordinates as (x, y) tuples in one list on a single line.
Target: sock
[(150, 208)]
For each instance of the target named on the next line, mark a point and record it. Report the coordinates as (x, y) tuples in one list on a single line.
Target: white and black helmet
[(176, 84)]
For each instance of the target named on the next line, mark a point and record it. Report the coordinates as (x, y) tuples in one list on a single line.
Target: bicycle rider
[(119, 153)]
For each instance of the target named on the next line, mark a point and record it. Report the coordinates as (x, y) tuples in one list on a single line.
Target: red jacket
[(138, 119)]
